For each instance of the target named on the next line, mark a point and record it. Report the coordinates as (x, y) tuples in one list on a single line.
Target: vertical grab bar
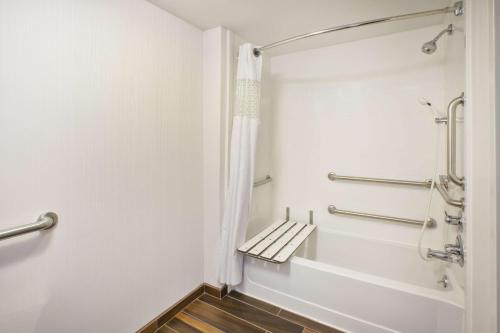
[(451, 160)]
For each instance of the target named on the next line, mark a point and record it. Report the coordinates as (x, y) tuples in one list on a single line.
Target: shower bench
[(279, 241)]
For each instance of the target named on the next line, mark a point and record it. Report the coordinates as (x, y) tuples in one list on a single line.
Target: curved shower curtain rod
[(457, 9)]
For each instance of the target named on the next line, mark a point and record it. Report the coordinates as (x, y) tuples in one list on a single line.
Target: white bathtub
[(360, 285)]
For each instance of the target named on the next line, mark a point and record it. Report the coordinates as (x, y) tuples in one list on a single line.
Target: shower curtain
[(241, 165)]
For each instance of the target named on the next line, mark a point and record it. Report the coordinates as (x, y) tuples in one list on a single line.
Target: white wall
[(352, 109), (101, 122), (481, 192), (216, 100), (496, 35)]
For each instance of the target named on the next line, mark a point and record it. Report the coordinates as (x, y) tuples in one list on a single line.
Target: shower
[(283, 250), (431, 46)]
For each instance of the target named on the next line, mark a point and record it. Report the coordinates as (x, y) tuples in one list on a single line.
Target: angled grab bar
[(333, 210), (44, 221), (451, 156), (446, 197)]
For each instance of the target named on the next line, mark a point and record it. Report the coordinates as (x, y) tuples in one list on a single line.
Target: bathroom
[(249, 166)]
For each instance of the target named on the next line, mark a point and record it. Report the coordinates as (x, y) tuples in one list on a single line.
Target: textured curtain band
[(247, 98)]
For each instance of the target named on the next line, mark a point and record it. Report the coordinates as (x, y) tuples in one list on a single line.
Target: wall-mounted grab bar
[(333, 210), (451, 156), (446, 197), (44, 221), (265, 180), (427, 183)]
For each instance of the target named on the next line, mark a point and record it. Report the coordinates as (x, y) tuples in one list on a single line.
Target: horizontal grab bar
[(333, 210), (265, 180), (427, 183), (44, 221)]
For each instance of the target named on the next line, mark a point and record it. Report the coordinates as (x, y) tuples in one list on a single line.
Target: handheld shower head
[(431, 46), (423, 101), (438, 116)]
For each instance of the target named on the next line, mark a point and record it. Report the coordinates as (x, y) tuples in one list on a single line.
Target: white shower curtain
[(241, 165)]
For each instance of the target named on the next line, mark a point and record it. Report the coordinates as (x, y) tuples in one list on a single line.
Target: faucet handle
[(456, 251), (453, 219), (441, 255), (452, 249)]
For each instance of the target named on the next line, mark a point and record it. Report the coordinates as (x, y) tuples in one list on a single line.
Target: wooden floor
[(238, 313)]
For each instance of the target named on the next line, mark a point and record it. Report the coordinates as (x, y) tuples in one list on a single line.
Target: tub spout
[(452, 252)]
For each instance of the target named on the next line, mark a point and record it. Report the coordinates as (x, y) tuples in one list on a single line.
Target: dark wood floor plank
[(181, 327), (308, 323), (220, 319), (306, 330), (165, 329), (196, 323), (255, 302), (253, 315)]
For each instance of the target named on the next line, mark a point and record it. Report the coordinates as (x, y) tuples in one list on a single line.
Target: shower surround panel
[(354, 108)]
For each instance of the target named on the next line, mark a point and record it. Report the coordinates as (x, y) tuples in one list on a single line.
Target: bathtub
[(360, 285)]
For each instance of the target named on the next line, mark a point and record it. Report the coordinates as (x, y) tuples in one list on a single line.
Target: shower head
[(425, 102), (431, 46), (438, 116)]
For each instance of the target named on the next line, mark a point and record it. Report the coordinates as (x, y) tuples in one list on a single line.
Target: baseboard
[(169, 313), (215, 291)]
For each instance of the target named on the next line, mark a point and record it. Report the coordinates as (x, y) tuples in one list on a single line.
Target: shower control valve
[(441, 120)]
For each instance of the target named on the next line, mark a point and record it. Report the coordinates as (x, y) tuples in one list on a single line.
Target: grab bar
[(44, 221), (446, 197), (451, 156), (427, 183), (265, 180), (333, 210)]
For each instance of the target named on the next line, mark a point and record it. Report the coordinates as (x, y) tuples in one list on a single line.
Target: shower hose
[(431, 192)]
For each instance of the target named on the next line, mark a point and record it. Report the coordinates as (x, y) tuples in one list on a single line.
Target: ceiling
[(266, 21)]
